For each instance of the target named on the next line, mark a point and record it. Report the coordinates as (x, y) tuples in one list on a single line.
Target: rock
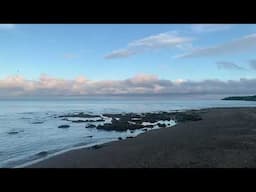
[(120, 138), (119, 126), (90, 136), (144, 130), (112, 115), (90, 126), (13, 132), (149, 126), (129, 137), (161, 125), (78, 121), (38, 122), (64, 126), (83, 115), (100, 120)]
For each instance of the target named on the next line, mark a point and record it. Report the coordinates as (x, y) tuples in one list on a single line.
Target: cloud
[(122, 53), (162, 40), (202, 28), (139, 84), (243, 44), (228, 66), (7, 26), (253, 64)]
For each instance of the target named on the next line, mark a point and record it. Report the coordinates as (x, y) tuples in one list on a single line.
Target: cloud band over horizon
[(139, 84)]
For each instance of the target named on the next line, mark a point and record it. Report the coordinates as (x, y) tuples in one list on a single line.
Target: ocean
[(29, 132)]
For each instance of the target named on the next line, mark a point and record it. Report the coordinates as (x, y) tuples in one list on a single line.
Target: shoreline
[(84, 157)]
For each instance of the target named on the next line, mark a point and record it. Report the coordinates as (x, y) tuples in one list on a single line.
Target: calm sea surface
[(28, 126)]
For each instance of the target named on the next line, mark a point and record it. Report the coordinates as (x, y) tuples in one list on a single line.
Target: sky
[(107, 59)]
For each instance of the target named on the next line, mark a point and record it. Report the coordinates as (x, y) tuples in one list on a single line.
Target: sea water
[(29, 130)]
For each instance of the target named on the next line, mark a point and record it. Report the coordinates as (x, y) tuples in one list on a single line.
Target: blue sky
[(118, 52)]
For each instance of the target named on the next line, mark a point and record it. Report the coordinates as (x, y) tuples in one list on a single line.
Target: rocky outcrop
[(64, 126)]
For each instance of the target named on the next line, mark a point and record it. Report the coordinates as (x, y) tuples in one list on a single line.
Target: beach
[(223, 138)]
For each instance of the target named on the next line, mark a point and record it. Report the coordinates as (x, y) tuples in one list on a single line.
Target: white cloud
[(122, 53), (228, 65), (243, 44), (161, 40), (202, 28), (139, 84), (7, 26)]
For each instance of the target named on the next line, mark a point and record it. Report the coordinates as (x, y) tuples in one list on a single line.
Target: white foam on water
[(112, 136)]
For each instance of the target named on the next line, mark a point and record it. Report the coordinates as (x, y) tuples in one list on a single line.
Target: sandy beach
[(224, 138)]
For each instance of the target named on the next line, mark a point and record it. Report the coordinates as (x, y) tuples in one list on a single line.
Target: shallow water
[(29, 126)]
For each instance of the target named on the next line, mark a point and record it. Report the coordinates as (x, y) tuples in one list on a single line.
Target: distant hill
[(243, 98)]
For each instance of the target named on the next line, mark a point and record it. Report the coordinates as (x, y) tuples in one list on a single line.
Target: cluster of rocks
[(133, 121), (86, 121)]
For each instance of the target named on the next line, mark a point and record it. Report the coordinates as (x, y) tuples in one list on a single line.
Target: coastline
[(223, 138)]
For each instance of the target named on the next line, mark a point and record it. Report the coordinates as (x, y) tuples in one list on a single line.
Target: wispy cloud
[(121, 53), (226, 65), (7, 26), (203, 28), (139, 84), (243, 44), (253, 64), (161, 40)]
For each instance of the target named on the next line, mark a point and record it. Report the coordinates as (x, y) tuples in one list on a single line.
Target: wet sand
[(225, 138)]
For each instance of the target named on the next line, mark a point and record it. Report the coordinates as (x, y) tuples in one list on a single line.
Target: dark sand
[(224, 138)]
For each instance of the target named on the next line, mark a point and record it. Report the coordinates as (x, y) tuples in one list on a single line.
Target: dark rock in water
[(90, 136), (119, 126), (64, 126), (129, 137), (161, 125), (38, 122), (43, 153), (78, 121), (100, 120), (154, 117), (97, 146), (149, 126), (84, 115), (91, 121), (122, 124), (13, 132), (120, 138), (132, 131), (144, 130), (90, 126)]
